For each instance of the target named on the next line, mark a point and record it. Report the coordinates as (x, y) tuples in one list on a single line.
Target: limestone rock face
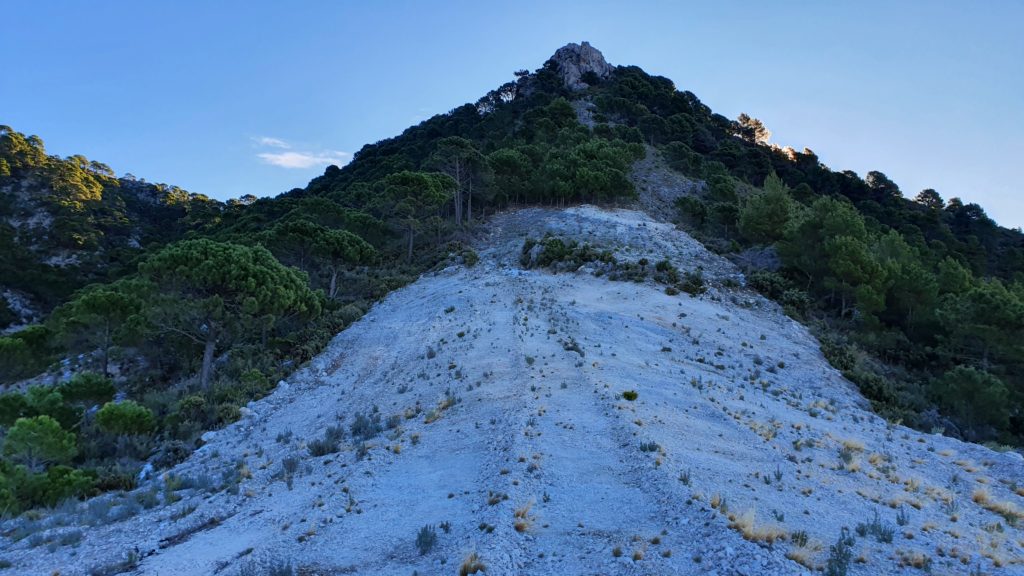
[(573, 61)]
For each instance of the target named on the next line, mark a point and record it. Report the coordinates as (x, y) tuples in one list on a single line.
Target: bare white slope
[(735, 395)]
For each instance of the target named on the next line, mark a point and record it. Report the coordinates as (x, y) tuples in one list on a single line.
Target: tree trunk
[(410, 243), (458, 192), (334, 283), (208, 349), (106, 350)]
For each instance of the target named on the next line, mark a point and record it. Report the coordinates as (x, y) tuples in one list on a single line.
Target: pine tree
[(213, 293)]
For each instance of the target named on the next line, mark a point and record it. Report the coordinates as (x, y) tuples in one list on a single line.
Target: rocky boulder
[(574, 61)]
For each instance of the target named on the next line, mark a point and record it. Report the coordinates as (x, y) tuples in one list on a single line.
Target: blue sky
[(228, 98)]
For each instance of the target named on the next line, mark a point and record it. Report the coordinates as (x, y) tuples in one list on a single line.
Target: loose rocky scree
[(506, 420)]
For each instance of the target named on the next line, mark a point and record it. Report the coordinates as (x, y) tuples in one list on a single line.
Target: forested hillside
[(68, 222), (191, 307), (918, 300)]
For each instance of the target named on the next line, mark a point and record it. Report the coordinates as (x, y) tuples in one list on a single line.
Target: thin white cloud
[(305, 159), (285, 155), (271, 142)]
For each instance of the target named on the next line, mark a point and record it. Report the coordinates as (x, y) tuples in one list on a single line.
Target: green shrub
[(693, 283), (60, 483), (840, 555), (425, 539), (838, 354), (630, 395), (323, 446), (365, 427), (254, 383), (20, 489), (666, 273), (48, 401), (125, 418), (975, 397), (116, 477), (692, 210), (24, 353), (883, 532), (555, 250), (12, 406), (228, 413), (771, 284), (765, 215), (88, 388), (39, 441)]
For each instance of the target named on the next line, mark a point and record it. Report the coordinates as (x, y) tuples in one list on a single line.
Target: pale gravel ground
[(565, 414)]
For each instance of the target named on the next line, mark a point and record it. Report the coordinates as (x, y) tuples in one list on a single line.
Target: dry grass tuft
[(982, 497), (746, 524), (471, 565), (715, 501), (853, 445), (914, 558), (808, 555), (967, 465), (522, 521), (939, 494)]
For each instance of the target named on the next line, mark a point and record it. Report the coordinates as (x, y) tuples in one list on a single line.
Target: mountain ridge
[(917, 302)]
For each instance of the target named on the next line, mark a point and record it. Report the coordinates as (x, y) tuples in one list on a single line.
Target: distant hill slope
[(68, 222), (492, 405)]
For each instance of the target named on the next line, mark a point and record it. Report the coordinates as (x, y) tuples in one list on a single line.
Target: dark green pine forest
[(184, 308)]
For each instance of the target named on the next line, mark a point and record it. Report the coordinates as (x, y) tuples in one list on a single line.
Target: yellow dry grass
[(746, 524), (471, 565), (808, 555), (522, 521), (982, 497), (913, 558), (853, 445)]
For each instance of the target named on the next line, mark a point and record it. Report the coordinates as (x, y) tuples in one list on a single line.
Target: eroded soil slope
[(488, 402)]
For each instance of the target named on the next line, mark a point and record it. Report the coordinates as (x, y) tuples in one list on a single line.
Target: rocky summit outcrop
[(574, 61)]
